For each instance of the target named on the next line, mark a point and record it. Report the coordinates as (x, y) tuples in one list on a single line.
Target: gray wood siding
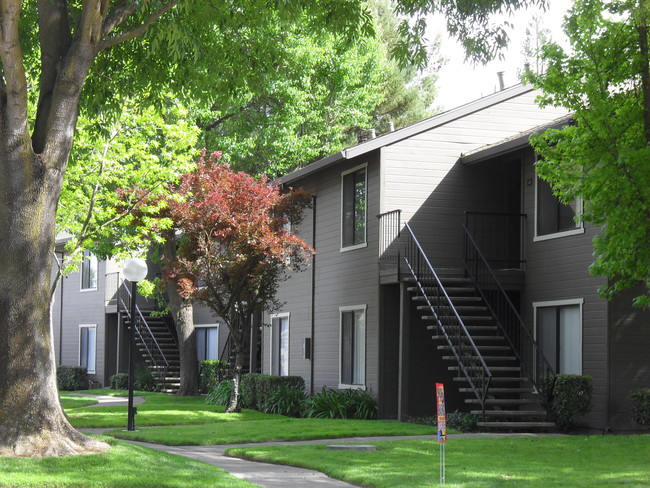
[(79, 307), (557, 269), (342, 279), (629, 368), (422, 177)]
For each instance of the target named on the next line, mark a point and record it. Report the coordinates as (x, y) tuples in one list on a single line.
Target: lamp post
[(135, 269)]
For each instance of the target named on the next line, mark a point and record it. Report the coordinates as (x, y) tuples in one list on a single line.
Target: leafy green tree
[(604, 156), (88, 57)]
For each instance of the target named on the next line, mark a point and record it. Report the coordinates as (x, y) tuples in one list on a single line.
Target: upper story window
[(89, 271), (552, 217), (354, 208)]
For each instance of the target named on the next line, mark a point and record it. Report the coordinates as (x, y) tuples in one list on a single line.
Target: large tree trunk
[(32, 422), (183, 313)]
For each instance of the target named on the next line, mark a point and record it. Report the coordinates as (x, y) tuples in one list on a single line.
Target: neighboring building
[(90, 325), (360, 319)]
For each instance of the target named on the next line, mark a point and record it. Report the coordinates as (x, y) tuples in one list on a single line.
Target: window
[(353, 197), (552, 217), (89, 271), (558, 331), (280, 345), (207, 341), (353, 346), (87, 347)]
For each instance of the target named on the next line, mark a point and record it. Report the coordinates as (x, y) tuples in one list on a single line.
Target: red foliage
[(235, 243)]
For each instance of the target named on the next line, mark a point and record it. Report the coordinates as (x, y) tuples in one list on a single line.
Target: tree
[(89, 56), (44, 71), (604, 156), (235, 246)]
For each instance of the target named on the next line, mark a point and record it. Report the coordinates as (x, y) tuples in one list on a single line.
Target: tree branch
[(55, 39), (121, 16), (15, 79)]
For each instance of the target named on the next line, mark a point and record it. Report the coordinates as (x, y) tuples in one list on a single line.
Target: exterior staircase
[(155, 343), (474, 324), (511, 402)]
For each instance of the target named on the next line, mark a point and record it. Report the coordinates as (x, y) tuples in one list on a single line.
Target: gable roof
[(512, 143), (407, 132)]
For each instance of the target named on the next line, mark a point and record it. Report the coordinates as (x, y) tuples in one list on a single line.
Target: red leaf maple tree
[(236, 243)]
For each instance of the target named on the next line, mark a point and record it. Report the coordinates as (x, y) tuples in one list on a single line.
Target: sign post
[(442, 427)]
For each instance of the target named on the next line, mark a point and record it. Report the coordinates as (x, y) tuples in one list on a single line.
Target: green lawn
[(158, 409), (73, 401), (124, 466), (227, 431), (541, 462)]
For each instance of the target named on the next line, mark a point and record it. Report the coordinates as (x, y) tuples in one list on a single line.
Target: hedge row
[(257, 388), (71, 378)]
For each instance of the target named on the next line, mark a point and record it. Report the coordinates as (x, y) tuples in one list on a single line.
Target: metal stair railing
[(449, 323), (145, 335), (532, 360)]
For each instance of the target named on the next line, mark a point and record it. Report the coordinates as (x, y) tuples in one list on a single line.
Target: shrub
[(70, 378), (361, 405), (257, 388), (348, 404), (220, 394), (286, 400), (641, 406), (120, 381), (210, 374), (144, 379), (462, 421), (566, 397)]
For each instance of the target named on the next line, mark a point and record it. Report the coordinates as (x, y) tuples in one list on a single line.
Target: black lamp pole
[(131, 415)]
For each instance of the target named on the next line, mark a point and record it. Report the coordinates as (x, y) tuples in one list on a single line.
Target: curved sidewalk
[(277, 475)]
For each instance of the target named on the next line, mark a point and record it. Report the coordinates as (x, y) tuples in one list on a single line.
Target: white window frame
[(91, 258), (94, 366), (273, 344), (562, 303), (580, 228), (365, 229), (353, 308), (209, 326)]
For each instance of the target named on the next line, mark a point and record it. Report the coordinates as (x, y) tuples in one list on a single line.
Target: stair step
[(494, 369), (510, 413), (482, 348), (516, 425), (496, 391), (474, 338), (504, 401), (486, 358), (470, 328), (498, 379)]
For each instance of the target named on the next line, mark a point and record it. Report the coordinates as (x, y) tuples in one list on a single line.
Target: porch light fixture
[(135, 269)]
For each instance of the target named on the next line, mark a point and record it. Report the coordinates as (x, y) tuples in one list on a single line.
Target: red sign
[(442, 416)]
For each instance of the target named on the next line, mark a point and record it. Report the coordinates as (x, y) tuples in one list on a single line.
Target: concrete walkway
[(109, 401), (276, 475)]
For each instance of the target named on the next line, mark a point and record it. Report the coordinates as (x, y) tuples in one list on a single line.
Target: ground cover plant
[(123, 466), (75, 400), (518, 462), (269, 428)]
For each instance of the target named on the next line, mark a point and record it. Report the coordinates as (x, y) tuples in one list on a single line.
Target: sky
[(461, 82)]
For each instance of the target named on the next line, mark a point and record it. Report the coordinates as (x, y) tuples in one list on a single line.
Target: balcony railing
[(531, 357), (499, 236)]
